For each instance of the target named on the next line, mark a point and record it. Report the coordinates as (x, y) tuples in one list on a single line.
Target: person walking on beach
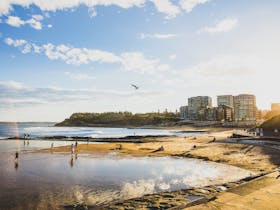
[(52, 146), (72, 149), (76, 144)]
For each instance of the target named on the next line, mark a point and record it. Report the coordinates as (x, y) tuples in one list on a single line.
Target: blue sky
[(60, 57)]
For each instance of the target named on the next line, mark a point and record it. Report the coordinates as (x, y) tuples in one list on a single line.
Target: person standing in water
[(16, 156), (72, 149), (16, 160)]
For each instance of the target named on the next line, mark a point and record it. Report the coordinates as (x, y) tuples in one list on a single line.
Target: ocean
[(48, 129)]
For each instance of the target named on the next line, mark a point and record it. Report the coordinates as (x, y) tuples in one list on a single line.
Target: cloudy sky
[(60, 57)]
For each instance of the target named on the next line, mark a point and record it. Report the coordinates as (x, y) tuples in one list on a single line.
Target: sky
[(61, 57)]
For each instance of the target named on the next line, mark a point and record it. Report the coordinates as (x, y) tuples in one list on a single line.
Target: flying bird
[(136, 87)]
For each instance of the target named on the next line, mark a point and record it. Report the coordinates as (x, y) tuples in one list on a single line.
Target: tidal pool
[(51, 181)]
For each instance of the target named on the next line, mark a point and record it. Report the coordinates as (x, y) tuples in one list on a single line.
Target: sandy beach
[(261, 191)]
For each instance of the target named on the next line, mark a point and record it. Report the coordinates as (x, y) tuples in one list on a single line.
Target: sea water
[(48, 129)]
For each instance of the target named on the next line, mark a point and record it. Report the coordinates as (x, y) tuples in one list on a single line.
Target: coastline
[(261, 160)]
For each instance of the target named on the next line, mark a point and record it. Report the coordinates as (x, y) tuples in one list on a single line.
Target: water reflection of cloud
[(168, 179), (138, 188)]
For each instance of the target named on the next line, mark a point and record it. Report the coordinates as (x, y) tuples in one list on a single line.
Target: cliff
[(271, 124)]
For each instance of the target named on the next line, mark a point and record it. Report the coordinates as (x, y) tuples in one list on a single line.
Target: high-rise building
[(245, 107), (196, 104), (275, 107), (225, 100), (184, 112)]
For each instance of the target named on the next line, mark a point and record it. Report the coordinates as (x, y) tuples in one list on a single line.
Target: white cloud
[(15, 43), (11, 85), (14, 94), (158, 36), (49, 26), (33, 22), (222, 26), (163, 6), (15, 21), (189, 5), (130, 61), (167, 7), (172, 56), (226, 66), (136, 62), (78, 76), (38, 17)]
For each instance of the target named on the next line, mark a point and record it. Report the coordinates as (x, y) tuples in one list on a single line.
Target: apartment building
[(196, 104), (245, 108)]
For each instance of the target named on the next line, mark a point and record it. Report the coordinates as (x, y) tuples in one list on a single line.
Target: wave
[(62, 131)]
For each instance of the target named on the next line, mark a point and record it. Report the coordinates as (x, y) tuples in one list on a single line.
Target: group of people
[(26, 142), (26, 136), (72, 151)]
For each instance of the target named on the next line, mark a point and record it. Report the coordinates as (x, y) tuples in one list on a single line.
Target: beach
[(262, 161), (190, 168)]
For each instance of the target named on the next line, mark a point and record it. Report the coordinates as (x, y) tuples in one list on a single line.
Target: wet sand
[(245, 194)]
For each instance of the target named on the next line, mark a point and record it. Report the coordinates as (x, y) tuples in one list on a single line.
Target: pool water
[(46, 181)]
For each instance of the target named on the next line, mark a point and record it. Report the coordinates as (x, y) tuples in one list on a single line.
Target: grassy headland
[(120, 119)]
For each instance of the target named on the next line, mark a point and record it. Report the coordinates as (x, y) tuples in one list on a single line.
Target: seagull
[(136, 87)]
